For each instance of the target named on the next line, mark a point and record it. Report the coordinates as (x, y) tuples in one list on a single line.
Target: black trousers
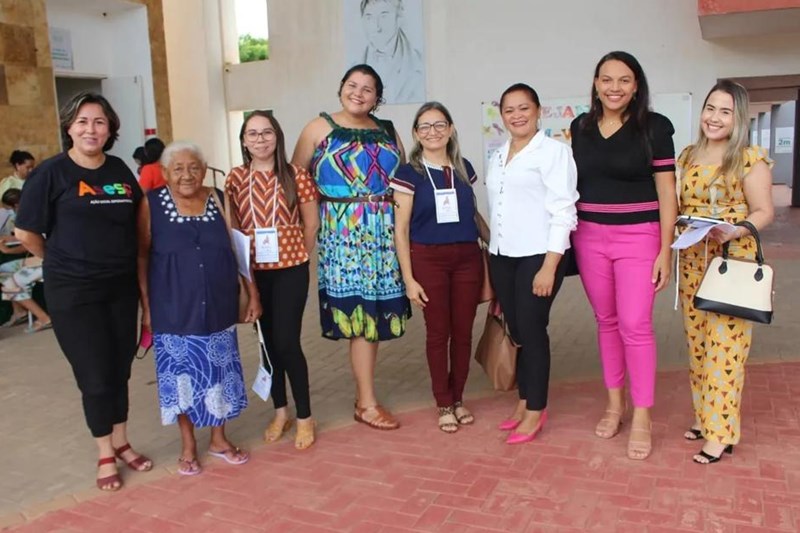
[(284, 292), (95, 323), (527, 316)]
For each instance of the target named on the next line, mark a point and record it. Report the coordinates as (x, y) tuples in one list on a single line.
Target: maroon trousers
[(451, 275)]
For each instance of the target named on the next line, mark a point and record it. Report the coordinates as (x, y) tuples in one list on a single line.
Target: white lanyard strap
[(274, 200)]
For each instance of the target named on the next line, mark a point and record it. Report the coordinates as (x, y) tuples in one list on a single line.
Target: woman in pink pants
[(626, 216)]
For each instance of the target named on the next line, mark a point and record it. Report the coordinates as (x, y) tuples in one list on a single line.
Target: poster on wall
[(61, 49), (784, 140), (558, 114), (388, 35)]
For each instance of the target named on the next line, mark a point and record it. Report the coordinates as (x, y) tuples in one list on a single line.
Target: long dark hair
[(69, 112), (283, 170), (367, 70), (639, 107)]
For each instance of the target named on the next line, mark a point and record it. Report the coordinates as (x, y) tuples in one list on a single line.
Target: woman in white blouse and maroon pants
[(531, 183)]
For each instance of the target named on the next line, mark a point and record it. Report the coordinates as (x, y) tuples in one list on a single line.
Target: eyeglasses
[(253, 135), (425, 127)]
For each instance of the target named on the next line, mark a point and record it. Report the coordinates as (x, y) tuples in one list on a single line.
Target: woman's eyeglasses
[(253, 135), (425, 127)]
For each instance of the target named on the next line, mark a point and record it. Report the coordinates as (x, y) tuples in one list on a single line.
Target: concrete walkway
[(417, 478)]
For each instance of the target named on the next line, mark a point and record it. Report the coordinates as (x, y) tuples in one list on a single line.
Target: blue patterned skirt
[(199, 376)]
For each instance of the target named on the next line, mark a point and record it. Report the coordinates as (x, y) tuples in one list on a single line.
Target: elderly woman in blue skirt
[(188, 283)]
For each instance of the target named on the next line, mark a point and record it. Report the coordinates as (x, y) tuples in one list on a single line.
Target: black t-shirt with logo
[(88, 217)]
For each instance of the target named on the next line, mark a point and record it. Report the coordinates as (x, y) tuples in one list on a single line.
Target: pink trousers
[(616, 268)]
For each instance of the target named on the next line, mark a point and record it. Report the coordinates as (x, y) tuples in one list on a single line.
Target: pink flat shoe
[(520, 438), (509, 424)]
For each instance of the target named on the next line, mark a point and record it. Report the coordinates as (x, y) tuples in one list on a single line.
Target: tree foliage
[(252, 48)]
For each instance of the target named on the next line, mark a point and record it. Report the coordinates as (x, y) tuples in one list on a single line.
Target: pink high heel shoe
[(509, 424), (520, 438)]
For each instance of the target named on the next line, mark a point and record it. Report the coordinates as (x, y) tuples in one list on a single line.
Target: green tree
[(252, 48)]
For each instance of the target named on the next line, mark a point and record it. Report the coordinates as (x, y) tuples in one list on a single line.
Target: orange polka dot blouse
[(292, 250)]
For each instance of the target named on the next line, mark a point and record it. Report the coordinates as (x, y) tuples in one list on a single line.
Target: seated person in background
[(138, 158), (18, 276), (23, 162)]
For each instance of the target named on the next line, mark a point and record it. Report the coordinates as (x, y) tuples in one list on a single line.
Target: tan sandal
[(463, 415), (275, 429), (610, 424), (447, 419), (383, 419), (639, 449), (304, 437)]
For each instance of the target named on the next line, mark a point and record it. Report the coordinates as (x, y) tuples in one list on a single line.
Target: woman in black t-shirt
[(78, 212), (626, 217)]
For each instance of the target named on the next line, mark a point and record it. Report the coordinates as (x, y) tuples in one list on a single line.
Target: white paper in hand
[(696, 230), (263, 383), (241, 245)]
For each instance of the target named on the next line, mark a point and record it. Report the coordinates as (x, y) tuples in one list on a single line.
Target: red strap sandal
[(140, 464), (110, 483)]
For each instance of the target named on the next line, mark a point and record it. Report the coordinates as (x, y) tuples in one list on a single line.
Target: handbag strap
[(754, 232)]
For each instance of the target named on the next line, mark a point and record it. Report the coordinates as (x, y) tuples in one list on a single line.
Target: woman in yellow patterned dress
[(722, 176)]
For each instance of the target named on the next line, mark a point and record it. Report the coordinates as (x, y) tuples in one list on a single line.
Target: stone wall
[(28, 114)]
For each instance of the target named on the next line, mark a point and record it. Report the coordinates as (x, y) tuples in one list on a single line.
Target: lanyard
[(428, 172), (274, 199)]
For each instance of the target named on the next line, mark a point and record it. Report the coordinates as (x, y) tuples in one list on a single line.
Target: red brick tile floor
[(417, 478)]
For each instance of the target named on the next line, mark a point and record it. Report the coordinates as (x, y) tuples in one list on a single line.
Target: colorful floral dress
[(361, 291), (718, 344)]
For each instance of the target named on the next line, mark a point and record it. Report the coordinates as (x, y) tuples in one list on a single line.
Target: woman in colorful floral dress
[(352, 156)]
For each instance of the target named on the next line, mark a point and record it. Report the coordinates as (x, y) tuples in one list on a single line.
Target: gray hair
[(181, 146)]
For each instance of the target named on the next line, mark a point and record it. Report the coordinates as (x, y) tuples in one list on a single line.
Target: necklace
[(609, 123)]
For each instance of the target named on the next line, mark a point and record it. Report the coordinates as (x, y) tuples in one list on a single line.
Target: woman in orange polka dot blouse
[(276, 204)]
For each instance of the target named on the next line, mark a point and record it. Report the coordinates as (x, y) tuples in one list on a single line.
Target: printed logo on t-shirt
[(106, 194)]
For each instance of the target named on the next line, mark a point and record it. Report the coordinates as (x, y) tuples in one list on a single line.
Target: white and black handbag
[(738, 287)]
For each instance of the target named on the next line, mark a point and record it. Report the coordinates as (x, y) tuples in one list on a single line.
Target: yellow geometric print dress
[(718, 344)]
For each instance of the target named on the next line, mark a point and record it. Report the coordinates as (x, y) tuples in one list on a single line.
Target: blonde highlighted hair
[(732, 166)]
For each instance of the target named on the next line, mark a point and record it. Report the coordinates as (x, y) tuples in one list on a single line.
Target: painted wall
[(195, 67), (474, 49), (116, 45), (782, 117)]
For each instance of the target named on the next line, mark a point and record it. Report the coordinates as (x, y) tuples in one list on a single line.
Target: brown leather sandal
[(304, 436), (110, 483), (275, 429), (383, 420)]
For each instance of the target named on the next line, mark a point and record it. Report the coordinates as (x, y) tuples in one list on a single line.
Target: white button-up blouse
[(532, 199)]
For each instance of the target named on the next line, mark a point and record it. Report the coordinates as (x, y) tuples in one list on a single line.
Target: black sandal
[(710, 459), (693, 434)]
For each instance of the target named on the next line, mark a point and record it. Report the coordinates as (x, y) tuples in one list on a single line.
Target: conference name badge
[(267, 245), (446, 206)]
